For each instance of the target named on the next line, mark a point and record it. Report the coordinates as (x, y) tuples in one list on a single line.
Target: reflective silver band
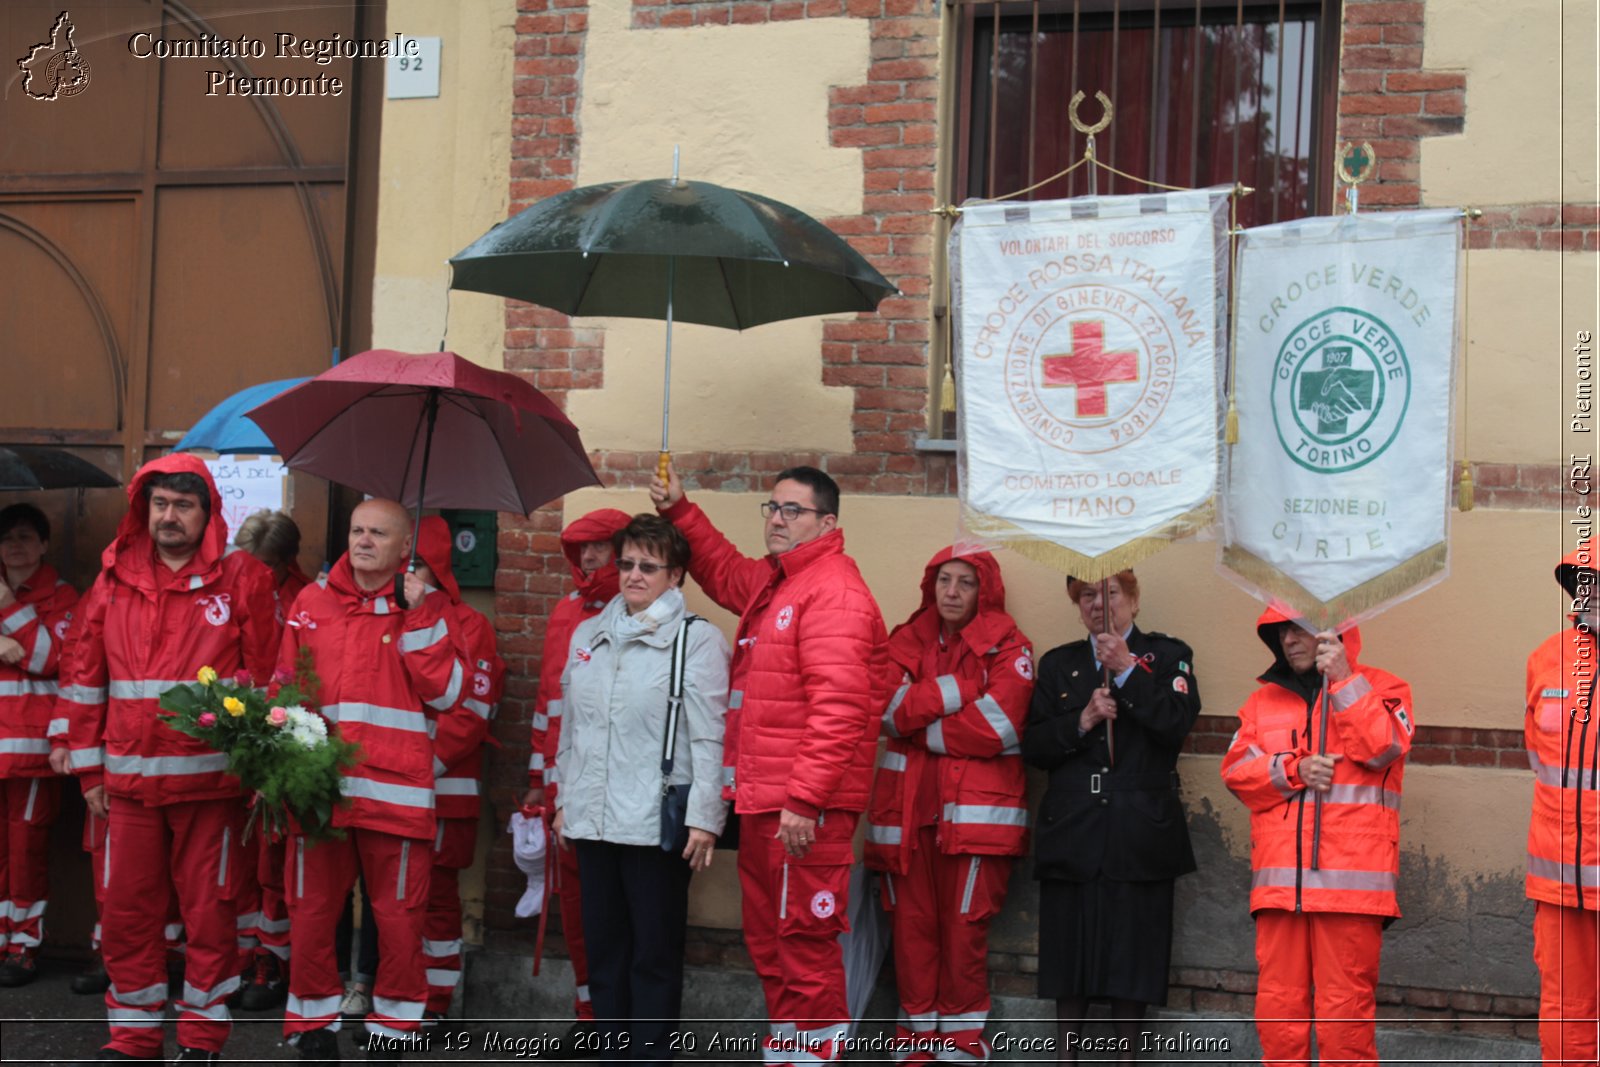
[(995, 716), (933, 737), (452, 691), (541, 721), (408, 719), (735, 699), (1352, 691), (89, 695), (456, 787), (24, 746), (18, 620), (986, 814), (417, 640), (878, 834), (30, 687), (406, 796), (80, 758), (892, 761), (1351, 881), (141, 689), (478, 708), (1565, 873), (156, 766), (1362, 794), (1551, 775), (950, 692)]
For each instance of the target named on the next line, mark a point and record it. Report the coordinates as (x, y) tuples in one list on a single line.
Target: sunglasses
[(627, 566)]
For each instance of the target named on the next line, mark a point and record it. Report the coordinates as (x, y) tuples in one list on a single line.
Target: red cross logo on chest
[(1090, 368)]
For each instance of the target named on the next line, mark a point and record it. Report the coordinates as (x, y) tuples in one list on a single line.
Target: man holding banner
[(1319, 759), (1562, 832)]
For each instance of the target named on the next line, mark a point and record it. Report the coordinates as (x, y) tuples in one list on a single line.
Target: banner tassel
[(947, 392), (1464, 489), (1230, 432)]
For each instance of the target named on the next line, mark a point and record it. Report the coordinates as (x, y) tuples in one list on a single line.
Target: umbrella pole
[(422, 488), (1322, 750), (666, 377), (1105, 628)]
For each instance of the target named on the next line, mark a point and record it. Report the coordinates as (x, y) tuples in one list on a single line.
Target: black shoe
[(94, 979), (266, 988), (19, 968), (196, 1055), (320, 1046)]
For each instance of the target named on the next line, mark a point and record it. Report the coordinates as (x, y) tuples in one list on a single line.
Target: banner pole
[(1322, 750), (1105, 627)]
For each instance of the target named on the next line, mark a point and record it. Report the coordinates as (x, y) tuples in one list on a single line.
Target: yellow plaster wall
[(1530, 129), (749, 107), (444, 178)]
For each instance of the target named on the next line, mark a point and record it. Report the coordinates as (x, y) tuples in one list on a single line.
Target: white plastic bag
[(528, 848)]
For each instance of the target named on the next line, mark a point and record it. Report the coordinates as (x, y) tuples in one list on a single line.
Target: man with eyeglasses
[(808, 676)]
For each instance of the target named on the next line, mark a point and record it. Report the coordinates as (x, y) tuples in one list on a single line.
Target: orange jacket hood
[(1574, 563), (1278, 614)]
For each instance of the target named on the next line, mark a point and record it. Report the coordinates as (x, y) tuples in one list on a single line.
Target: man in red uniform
[(806, 686), (586, 542), (169, 600), (35, 606), (386, 672), (1561, 737), (949, 808), (457, 767), (1320, 901)]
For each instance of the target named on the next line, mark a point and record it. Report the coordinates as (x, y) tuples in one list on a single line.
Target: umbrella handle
[(662, 463)]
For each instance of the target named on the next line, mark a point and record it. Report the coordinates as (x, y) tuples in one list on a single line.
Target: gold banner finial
[(1105, 114)]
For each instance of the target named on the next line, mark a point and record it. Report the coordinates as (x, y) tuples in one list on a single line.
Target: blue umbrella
[(226, 428)]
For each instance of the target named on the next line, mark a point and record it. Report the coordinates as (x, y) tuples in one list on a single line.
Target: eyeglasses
[(627, 566), (790, 512)]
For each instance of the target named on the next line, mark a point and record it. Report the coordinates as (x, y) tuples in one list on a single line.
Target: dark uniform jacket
[(1122, 821)]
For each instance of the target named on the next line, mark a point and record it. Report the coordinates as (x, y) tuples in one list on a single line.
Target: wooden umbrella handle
[(662, 464)]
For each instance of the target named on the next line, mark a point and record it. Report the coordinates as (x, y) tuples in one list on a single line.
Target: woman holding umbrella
[(1110, 840), (645, 696)]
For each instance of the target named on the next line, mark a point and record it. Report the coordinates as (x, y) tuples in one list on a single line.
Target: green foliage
[(278, 749)]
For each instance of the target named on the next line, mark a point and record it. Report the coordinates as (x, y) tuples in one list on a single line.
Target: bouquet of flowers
[(279, 750)]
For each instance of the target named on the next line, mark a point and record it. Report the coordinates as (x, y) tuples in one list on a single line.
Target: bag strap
[(680, 655)]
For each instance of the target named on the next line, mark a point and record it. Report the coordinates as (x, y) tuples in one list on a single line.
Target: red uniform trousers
[(317, 878), (441, 931), (28, 807), (794, 912), (1566, 946), (571, 892), (940, 911), (191, 847), (1336, 955), (272, 927)]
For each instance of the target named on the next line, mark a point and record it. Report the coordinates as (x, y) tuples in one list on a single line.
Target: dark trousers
[(635, 909)]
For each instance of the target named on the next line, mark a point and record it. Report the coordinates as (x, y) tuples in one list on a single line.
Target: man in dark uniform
[(1109, 715)]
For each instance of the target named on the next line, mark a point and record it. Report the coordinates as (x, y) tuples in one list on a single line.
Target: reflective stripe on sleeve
[(81, 758), (986, 814), (417, 640), (1280, 774), (878, 834), (893, 761), (452, 692), (995, 716), (950, 692), (406, 796), (456, 787), (541, 721), (18, 620), (30, 687), (41, 651), (478, 708), (933, 737), (536, 761), (1352, 691)]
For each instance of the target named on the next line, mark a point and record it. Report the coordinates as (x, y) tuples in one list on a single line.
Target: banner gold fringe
[(1322, 614), (1090, 568)]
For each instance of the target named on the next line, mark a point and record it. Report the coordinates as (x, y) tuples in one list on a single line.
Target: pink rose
[(277, 716), (283, 677), (207, 719), (243, 678)]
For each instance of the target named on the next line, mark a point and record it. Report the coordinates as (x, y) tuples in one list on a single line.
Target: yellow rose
[(206, 676), (233, 706)]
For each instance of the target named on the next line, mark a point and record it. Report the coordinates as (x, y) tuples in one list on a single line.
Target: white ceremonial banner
[(1338, 489), (1086, 359)]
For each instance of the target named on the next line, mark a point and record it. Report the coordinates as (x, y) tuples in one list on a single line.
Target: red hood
[(433, 548), (1581, 558), (130, 550), (599, 525), (989, 625), (1277, 614)]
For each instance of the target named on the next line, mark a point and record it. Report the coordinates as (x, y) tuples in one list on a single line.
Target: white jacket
[(614, 716)]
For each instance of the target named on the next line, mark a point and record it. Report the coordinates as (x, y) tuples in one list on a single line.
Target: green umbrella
[(670, 249)]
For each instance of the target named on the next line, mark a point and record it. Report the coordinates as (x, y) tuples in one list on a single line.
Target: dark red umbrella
[(431, 430)]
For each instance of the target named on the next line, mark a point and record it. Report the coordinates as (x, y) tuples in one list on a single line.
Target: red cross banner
[(1086, 359), (1338, 489)]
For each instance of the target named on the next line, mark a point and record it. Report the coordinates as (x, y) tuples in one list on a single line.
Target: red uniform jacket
[(809, 671), (593, 592), (1561, 735), (36, 620), (385, 675), (1371, 726), (966, 720), (462, 731), (143, 629)]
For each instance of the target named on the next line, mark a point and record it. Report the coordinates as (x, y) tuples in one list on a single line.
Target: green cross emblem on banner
[(1335, 392)]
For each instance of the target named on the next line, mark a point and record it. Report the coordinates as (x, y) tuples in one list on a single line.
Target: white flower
[(305, 727)]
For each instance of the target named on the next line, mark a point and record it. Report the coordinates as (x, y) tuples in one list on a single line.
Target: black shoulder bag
[(674, 798)]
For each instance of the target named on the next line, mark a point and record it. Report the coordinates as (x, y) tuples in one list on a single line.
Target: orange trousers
[(1566, 946), (1317, 968)]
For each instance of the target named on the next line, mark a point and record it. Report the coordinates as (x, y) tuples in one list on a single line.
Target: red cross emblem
[(1090, 367)]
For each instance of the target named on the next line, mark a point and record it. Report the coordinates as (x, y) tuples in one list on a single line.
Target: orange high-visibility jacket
[(1564, 831), (1371, 725)]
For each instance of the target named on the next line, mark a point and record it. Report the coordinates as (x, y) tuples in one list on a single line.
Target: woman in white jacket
[(611, 768)]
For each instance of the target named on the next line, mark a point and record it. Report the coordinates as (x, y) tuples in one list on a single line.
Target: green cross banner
[(1336, 494)]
